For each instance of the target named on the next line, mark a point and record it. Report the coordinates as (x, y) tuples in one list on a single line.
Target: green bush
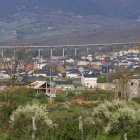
[(97, 95), (21, 121), (22, 95), (89, 95), (68, 128), (61, 97), (12, 98), (103, 137), (101, 78), (136, 99), (116, 117)]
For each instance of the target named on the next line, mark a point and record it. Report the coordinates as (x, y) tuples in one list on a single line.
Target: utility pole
[(81, 127), (39, 53), (125, 136), (63, 52), (51, 52), (34, 127), (2, 53), (46, 87), (107, 71), (75, 52), (87, 51), (50, 84), (14, 53)]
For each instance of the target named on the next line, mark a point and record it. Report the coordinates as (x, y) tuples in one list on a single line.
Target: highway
[(76, 45)]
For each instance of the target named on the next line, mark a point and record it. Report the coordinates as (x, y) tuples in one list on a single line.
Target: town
[(53, 70)]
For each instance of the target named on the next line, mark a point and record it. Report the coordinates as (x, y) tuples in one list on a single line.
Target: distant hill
[(117, 8), (26, 20)]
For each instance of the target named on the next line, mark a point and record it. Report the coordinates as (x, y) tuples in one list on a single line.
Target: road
[(65, 46)]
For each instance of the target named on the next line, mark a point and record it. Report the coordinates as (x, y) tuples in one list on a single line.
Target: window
[(132, 83)]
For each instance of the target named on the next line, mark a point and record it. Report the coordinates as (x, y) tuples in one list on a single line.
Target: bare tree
[(18, 62), (121, 76)]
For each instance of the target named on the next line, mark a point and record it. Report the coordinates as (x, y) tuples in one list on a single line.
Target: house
[(96, 62), (61, 68), (89, 80), (73, 73), (131, 90), (83, 62), (89, 57), (57, 60), (4, 74), (45, 73), (106, 86), (70, 60), (45, 87), (106, 68), (77, 85), (40, 72), (29, 67), (134, 88), (64, 85)]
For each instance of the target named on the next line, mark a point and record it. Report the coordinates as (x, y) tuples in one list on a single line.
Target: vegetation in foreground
[(25, 114)]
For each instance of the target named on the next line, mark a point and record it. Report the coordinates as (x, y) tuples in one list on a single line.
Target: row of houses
[(86, 69)]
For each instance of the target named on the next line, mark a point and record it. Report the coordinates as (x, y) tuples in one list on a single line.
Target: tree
[(101, 79), (121, 77), (50, 68), (116, 117), (19, 61), (22, 122)]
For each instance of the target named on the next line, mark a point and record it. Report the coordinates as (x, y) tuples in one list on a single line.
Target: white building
[(72, 75), (131, 89), (4, 75), (89, 80), (83, 62)]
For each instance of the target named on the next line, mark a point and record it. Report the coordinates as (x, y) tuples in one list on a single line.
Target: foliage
[(104, 137), (96, 94), (136, 99), (64, 74), (101, 78), (120, 72), (21, 95), (87, 95), (108, 120), (121, 77), (116, 117), (61, 97), (11, 98), (68, 128), (21, 59), (21, 121)]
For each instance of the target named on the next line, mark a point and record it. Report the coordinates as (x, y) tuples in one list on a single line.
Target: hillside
[(119, 8), (58, 22)]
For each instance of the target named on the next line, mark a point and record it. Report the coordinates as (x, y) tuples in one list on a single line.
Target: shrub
[(61, 97), (68, 128), (136, 99), (104, 137), (101, 79), (22, 95), (11, 98), (21, 121), (116, 117)]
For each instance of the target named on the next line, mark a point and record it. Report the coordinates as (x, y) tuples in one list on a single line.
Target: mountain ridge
[(119, 8), (57, 21)]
